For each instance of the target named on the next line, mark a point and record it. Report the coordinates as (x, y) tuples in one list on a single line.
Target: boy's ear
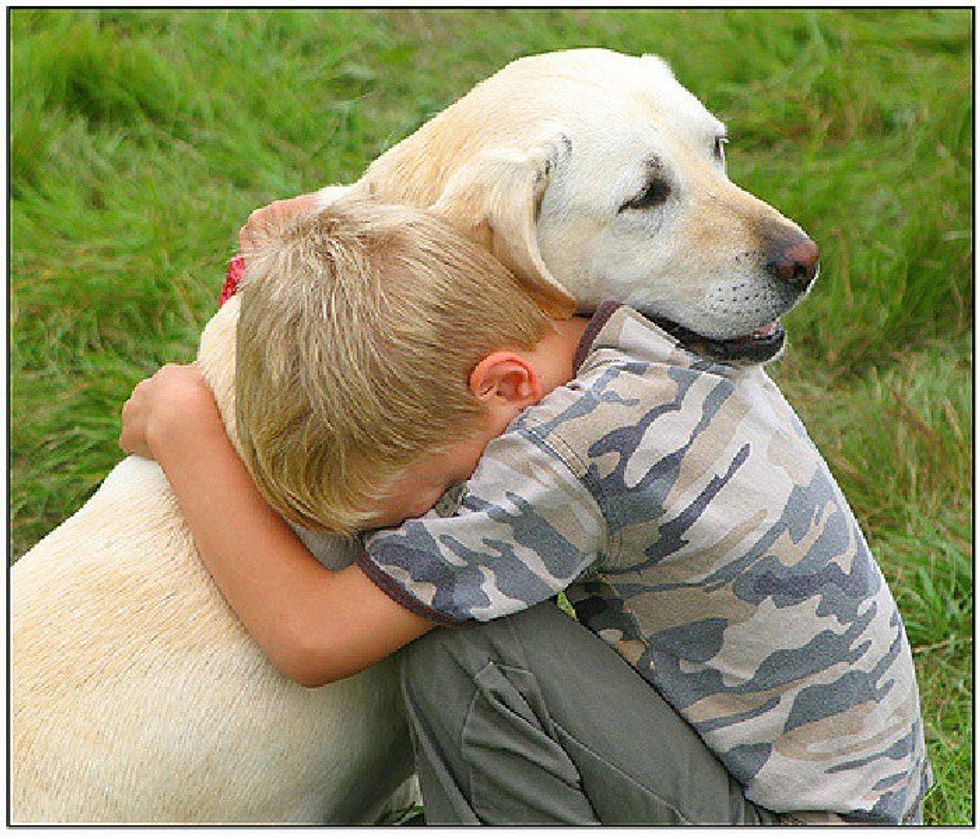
[(505, 378), (494, 199)]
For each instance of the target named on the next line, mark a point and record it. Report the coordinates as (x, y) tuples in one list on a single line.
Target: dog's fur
[(137, 695)]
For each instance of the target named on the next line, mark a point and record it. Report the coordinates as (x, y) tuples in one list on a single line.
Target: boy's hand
[(172, 405), (271, 220)]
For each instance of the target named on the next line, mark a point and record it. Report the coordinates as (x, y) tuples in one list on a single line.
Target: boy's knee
[(413, 660), (432, 665), (452, 656), (445, 662)]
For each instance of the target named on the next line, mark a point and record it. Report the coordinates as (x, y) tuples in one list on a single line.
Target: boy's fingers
[(260, 224), (271, 220)]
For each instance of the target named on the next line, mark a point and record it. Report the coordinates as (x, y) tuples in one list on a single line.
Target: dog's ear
[(494, 199)]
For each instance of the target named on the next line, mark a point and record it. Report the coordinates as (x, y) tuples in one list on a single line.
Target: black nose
[(795, 263)]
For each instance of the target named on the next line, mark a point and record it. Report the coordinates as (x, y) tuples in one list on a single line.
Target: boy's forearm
[(264, 572), (314, 625)]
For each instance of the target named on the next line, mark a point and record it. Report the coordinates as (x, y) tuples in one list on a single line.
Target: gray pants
[(532, 719)]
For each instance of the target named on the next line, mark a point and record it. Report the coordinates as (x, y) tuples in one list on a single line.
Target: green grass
[(140, 141)]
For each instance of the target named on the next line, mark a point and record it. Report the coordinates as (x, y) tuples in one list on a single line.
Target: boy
[(704, 535)]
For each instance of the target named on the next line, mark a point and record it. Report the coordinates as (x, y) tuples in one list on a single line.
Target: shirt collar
[(592, 329)]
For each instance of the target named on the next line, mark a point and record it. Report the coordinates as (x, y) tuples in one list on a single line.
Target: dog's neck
[(216, 359)]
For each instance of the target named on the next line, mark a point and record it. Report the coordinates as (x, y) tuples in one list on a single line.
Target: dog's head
[(594, 176)]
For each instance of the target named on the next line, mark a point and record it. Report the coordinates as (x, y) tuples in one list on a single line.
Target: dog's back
[(129, 666)]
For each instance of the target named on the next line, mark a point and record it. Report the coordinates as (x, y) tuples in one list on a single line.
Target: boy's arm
[(314, 625), (527, 527)]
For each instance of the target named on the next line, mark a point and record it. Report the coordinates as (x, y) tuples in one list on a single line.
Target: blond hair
[(358, 330)]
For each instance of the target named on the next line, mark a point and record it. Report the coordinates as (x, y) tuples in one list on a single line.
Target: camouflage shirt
[(701, 534)]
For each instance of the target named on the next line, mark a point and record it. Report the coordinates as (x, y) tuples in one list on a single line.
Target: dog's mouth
[(759, 345)]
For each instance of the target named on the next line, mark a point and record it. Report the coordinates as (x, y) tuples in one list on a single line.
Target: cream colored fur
[(137, 695)]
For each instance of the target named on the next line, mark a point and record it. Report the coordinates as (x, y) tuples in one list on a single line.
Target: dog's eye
[(654, 194), (720, 143)]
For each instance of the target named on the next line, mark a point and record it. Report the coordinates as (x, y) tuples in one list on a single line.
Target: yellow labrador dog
[(137, 695)]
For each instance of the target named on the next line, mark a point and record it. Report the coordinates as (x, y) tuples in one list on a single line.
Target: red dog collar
[(236, 270)]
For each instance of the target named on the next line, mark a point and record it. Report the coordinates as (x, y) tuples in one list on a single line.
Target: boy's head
[(373, 339)]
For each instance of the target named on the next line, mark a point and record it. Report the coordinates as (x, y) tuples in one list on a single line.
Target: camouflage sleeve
[(526, 528)]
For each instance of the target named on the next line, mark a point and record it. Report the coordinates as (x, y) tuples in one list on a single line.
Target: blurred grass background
[(140, 141)]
